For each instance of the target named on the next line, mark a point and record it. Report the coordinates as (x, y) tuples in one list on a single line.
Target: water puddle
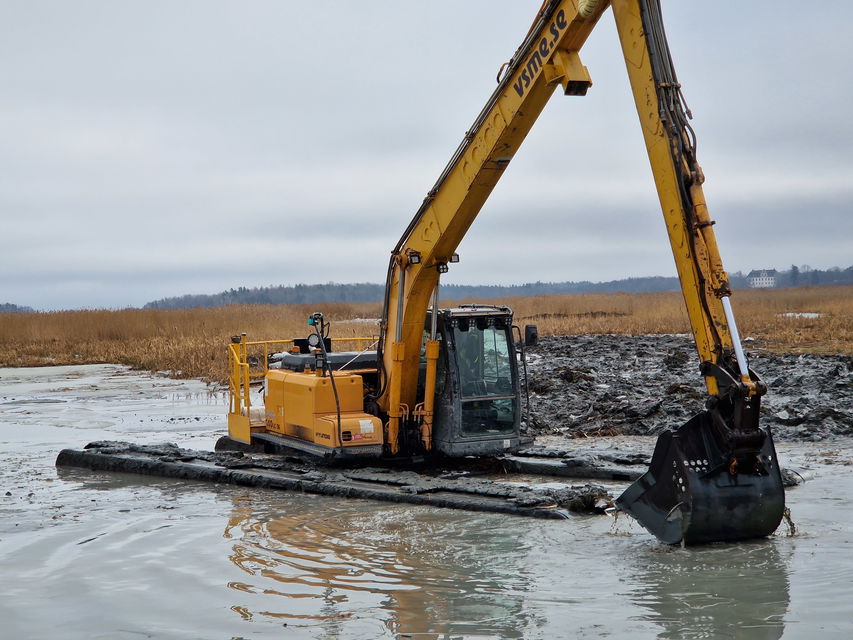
[(800, 314)]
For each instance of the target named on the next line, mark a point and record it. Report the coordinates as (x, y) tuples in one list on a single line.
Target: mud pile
[(611, 385)]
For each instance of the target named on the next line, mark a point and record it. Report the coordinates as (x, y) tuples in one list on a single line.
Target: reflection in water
[(344, 566), (719, 591)]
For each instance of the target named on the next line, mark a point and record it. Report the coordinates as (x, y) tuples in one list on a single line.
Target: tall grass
[(184, 342), (191, 342), (768, 314)]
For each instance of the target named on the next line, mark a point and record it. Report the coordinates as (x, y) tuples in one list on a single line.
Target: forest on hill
[(373, 292)]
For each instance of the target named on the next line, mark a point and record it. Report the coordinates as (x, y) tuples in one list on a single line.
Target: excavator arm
[(671, 146), (716, 477)]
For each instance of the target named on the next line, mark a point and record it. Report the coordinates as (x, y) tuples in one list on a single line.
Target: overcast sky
[(152, 149)]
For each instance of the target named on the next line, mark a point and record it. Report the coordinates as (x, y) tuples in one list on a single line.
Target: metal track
[(387, 485)]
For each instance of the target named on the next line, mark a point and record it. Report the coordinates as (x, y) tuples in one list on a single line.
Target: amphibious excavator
[(450, 382)]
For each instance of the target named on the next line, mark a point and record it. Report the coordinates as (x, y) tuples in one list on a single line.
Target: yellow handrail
[(238, 382), (241, 374)]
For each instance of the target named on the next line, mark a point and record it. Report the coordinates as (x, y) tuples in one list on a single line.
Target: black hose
[(328, 368), (675, 115)]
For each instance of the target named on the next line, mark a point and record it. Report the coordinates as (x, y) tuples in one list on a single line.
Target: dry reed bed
[(185, 342), (191, 342), (769, 315)]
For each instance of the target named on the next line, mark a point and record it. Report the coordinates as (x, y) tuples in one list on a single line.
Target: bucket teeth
[(696, 491)]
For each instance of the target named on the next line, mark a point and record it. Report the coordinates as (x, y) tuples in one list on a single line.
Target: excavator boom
[(547, 59), (726, 483)]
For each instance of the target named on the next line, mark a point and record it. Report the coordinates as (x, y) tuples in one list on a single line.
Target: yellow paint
[(431, 352), (308, 398), (703, 305), (451, 209), (239, 429), (302, 405)]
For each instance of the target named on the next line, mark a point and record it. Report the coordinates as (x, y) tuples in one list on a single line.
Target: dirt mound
[(610, 385)]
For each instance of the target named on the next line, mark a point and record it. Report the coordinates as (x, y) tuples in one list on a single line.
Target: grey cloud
[(159, 148)]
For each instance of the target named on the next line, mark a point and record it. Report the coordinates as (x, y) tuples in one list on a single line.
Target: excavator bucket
[(701, 487)]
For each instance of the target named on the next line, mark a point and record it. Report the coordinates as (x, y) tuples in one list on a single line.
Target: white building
[(762, 279)]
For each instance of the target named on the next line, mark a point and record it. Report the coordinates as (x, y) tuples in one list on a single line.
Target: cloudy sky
[(157, 148)]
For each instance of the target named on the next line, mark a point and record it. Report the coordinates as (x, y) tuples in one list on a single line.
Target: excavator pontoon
[(450, 381)]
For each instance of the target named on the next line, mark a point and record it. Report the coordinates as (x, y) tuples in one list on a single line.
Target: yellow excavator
[(450, 381)]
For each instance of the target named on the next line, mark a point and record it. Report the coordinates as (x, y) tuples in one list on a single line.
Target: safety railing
[(249, 362)]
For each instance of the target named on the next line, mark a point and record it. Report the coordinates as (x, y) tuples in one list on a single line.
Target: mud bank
[(625, 385)]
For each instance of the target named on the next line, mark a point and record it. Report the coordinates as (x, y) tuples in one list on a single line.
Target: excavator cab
[(478, 398)]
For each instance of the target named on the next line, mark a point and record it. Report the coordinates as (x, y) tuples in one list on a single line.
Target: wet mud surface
[(625, 385)]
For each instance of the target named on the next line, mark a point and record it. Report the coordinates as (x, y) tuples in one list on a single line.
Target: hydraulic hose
[(328, 368), (675, 115)]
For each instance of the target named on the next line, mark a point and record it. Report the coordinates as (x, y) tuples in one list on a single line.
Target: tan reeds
[(191, 342), (184, 342), (772, 315)]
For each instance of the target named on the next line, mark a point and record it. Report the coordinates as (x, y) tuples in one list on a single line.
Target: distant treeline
[(8, 307), (370, 292), (807, 277)]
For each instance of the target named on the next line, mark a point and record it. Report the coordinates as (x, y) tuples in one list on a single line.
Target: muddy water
[(88, 555)]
